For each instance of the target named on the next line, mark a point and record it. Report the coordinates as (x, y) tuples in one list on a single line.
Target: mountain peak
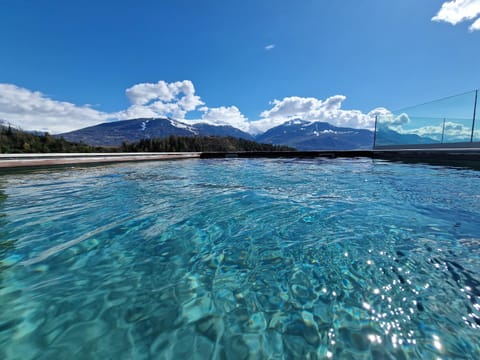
[(133, 130), (298, 133), (317, 135), (296, 122)]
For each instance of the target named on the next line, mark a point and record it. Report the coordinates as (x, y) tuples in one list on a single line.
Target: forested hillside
[(18, 141), (200, 144)]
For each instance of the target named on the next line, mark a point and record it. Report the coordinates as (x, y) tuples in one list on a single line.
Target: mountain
[(389, 137), (13, 140), (306, 135), (116, 132), (222, 130), (300, 134)]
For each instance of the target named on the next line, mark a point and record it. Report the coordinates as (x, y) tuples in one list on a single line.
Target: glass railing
[(453, 120)]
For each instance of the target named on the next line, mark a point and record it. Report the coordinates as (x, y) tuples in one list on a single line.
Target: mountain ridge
[(317, 135), (298, 133), (133, 130)]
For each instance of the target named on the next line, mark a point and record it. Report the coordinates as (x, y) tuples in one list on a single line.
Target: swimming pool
[(241, 258)]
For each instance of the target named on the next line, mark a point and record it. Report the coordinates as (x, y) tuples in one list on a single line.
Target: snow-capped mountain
[(114, 133), (301, 134), (307, 135)]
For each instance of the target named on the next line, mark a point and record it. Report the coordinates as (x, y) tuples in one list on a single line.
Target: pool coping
[(457, 157), (466, 153), (447, 156), (54, 159)]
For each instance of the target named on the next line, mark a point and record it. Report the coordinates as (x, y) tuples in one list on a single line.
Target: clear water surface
[(237, 259)]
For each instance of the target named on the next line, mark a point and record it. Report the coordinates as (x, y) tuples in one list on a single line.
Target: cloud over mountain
[(313, 109), (161, 99), (32, 110), (225, 115)]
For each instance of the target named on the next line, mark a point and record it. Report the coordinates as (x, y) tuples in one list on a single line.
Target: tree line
[(199, 144), (17, 141)]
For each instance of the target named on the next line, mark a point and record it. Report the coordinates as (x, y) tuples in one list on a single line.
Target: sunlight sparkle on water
[(352, 259)]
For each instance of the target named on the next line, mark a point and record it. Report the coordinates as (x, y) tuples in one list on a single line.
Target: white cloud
[(35, 111), (453, 131), (225, 115), (161, 99), (270, 47), (32, 110), (475, 25), (395, 122), (457, 11), (313, 109), (380, 111), (305, 108)]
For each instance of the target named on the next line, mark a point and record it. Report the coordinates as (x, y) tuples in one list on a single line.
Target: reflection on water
[(242, 259), (6, 244)]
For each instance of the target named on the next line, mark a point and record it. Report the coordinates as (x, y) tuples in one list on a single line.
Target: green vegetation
[(200, 144), (18, 141)]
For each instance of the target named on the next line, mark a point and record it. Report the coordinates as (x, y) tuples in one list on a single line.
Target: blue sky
[(66, 65)]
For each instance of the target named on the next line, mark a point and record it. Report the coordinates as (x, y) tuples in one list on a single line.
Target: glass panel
[(444, 121), (476, 132)]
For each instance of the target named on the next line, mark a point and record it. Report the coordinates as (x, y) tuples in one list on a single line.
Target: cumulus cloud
[(225, 115), (270, 47), (389, 120), (313, 109), (161, 99), (380, 113), (32, 110), (453, 131), (475, 25), (457, 11)]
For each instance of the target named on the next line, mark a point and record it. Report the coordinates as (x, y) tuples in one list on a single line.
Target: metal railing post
[(443, 129), (474, 114)]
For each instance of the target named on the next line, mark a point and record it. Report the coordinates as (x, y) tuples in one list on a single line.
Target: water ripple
[(240, 259)]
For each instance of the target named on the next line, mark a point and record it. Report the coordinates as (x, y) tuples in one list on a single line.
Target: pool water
[(241, 259)]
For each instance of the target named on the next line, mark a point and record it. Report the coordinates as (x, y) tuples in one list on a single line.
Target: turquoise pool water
[(236, 259)]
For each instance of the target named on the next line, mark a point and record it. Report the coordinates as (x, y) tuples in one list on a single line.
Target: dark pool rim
[(457, 157)]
